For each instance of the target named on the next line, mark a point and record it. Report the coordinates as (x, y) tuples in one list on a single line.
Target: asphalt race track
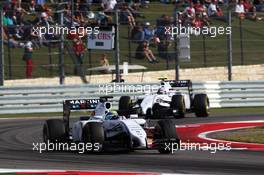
[(17, 137)]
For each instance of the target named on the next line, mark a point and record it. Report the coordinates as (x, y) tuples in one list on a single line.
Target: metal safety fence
[(43, 99)]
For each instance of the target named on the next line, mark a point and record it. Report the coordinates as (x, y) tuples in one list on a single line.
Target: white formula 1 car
[(108, 129), (174, 98)]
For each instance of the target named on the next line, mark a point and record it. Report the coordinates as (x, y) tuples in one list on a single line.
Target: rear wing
[(83, 104), (179, 83), (79, 104)]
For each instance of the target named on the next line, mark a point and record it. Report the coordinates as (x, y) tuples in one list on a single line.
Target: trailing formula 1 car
[(174, 98), (109, 130)]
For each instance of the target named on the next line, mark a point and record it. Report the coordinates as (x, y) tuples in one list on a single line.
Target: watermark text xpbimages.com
[(61, 146), (58, 30)]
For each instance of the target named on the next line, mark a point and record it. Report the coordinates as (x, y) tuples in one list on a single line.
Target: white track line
[(199, 124), (3, 170), (204, 135)]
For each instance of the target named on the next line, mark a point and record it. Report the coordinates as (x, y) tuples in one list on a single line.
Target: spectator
[(221, 1), (189, 15), (199, 8), (197, 22), (219, 11), (212, 9), (32, 6), (41, 2), (84, 7), (163, 50), (78, 17), (44, 19), (259, 4), (127, 17), (240, 10), (251, 11), (79, 50), (108, 5), (149, 34), (102, 18), (190, 9), (134, 9), (247, 6), (27, 57), (144, 51), (163, 22), (104, 62), (207, 3), (72, 36)]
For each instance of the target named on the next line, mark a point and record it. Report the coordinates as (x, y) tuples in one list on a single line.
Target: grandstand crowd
[(20, 17)]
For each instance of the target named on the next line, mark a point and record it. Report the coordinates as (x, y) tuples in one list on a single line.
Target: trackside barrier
[(41, 99)]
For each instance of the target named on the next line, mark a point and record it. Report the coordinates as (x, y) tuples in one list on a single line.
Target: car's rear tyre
[(54, 131), (124, 105), (177, 103), (165, 136), (156, 111), (93, 133), (149, 113), (201, 105)]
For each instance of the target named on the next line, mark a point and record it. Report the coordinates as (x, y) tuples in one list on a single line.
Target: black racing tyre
[(149, 113), (177, 103), (201, 105), (93, 133), (156, 110), (54, 131), (124, 105), (160, 112), (165, 134)]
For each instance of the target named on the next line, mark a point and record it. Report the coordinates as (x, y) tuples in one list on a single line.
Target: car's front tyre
[(165, 136), (178, 105)]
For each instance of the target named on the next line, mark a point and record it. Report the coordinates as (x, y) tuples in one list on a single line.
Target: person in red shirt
[(197, 22), (79, 49), (247, 6), (72, 36), (199, 8)]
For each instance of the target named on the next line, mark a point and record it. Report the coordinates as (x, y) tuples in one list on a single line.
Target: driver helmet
[(161, 90), (112, 115)]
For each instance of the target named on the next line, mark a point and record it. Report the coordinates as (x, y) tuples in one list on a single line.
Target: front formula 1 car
[(106, 130), (173, 98)]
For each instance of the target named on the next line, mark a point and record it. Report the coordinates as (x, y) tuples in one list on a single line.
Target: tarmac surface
[(18, 135)]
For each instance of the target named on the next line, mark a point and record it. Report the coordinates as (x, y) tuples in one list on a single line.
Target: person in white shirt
[(240, 8), (108, 5), (189, 13), (212, 9), (190, 10)]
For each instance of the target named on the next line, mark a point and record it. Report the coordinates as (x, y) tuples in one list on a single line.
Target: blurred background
[(142, 39)]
